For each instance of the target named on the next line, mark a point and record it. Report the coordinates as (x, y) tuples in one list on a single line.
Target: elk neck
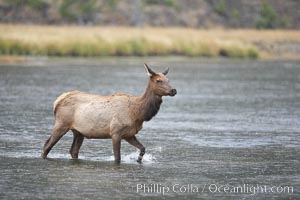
[(147, 105)]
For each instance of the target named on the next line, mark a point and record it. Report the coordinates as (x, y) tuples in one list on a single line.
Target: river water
[(231, 132)]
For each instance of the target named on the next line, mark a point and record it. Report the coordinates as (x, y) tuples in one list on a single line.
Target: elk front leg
[(134, 142), (116, 141)]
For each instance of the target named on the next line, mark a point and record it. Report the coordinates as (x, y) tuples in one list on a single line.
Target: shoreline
[(132, 60)]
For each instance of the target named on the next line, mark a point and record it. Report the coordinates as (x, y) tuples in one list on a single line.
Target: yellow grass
[(125, 41)]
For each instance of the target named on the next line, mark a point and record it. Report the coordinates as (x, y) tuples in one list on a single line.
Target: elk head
[(159, 83)]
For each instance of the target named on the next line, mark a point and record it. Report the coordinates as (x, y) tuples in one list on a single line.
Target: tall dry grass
[(124, 41)]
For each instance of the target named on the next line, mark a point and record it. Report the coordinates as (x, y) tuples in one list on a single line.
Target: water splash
[(132, 158)]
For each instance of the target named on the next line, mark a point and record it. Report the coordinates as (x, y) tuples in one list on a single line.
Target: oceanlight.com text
[(213, 188)]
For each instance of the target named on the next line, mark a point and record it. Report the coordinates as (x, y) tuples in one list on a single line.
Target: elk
[(119, 116)]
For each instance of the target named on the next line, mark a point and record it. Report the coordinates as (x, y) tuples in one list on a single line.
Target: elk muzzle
[(173, 92)]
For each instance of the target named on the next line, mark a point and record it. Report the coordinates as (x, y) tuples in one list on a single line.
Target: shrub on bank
[(131, 47), (93, 41)]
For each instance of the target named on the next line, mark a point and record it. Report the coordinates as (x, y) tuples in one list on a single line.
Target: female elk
[(118, 117)]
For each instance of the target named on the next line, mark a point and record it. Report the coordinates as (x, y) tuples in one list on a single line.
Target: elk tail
[(60, 99)]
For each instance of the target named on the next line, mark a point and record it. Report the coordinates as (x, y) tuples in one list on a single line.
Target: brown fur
[(146, 106)]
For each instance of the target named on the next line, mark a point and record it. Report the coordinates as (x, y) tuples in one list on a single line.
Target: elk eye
[(158, 81)]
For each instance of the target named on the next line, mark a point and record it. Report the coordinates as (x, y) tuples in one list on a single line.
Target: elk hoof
[(43, 155), (139, 160)]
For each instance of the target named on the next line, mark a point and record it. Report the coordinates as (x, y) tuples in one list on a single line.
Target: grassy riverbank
[(124, 41)]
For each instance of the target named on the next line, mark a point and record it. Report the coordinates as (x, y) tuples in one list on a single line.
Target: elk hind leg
[(116, 141), (58, 131), (77, 142)]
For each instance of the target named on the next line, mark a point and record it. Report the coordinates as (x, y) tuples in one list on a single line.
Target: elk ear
[(166, 71), (148, 70)]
